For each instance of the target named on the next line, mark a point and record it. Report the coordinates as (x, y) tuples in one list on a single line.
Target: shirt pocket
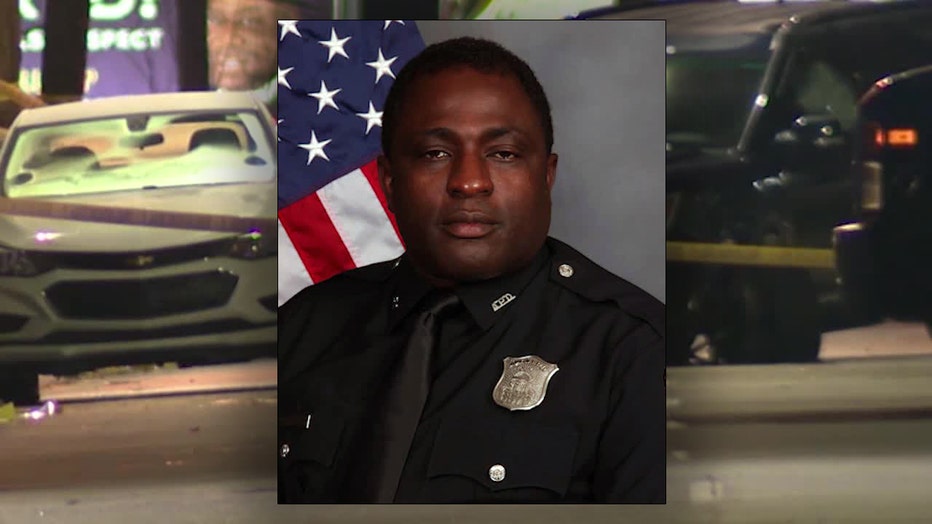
[(505, 454), (314, 436)]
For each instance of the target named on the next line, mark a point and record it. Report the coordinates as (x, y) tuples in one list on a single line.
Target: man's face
[(242, 41), (469, 177)]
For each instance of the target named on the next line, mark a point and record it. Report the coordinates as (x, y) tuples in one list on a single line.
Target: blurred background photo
[(137, 313)]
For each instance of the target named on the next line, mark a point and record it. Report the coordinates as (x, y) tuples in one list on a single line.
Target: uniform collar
[(485, 301)]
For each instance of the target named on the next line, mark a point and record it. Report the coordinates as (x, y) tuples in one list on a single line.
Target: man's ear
[(551, 170), (385, 180)]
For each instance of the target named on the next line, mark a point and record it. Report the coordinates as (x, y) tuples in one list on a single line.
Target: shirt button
[(566, 270), (497, 473), (285, 450)]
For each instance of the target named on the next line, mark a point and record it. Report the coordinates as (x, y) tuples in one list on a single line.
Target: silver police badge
[(523, 383)]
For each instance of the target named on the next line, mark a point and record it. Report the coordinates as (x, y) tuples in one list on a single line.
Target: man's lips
[(468, 224)]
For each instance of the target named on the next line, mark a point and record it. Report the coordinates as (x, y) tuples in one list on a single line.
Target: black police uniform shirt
[(598, 435)]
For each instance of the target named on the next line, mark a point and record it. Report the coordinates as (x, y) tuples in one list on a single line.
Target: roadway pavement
[(161, 439), (889, 338), (198, 445), (141, 381)]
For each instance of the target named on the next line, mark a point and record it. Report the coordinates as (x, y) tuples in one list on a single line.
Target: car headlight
[(16, 263), (253, 245)]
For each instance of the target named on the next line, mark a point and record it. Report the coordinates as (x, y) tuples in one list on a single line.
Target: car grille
[(11, 323), (270, 302), (141, 298), (131, 260)]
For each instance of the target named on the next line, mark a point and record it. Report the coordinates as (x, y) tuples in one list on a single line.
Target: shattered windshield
[(712, 82), (138, 152)]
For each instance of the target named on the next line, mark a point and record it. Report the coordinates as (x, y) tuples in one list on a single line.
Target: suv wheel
[(758, 315)]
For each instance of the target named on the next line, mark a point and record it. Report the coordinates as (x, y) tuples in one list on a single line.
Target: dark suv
[(761, 111), (885, 256)]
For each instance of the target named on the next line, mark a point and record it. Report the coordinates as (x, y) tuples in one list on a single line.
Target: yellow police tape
[(7, 412), (744, 255)]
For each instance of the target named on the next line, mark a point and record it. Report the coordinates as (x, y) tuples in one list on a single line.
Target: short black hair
[(482, 55)]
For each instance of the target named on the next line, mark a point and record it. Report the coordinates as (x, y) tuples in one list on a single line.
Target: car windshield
[(140, 151), (712, 82)]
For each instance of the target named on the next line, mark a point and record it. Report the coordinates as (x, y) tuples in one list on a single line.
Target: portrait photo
[(471, 275)]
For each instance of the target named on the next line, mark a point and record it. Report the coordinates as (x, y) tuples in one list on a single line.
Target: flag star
[(325, 98), (373, 118), (281, 76), (315, 149), (389, 22), (382, 67), (289, 26), (335, 45), (280, 120)]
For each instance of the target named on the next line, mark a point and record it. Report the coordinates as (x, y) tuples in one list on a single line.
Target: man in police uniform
[(539, 377)]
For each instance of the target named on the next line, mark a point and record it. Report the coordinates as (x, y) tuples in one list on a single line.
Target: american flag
[(333, 77)]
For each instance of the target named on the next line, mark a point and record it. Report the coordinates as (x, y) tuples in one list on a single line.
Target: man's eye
[(250, 22), (436, 154), (504, 155)]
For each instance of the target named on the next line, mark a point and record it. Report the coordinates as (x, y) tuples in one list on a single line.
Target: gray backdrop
[(605, 82)]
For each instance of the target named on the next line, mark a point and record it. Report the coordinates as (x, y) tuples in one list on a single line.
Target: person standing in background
[(240, 44)]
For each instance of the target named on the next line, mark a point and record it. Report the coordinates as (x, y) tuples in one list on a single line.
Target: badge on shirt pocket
[(523, 383)]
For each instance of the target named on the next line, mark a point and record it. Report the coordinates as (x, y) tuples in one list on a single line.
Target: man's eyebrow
[(499, 132), (445, 133), (254, 11)]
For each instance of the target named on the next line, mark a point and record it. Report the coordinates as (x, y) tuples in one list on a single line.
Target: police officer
[(490, 362)]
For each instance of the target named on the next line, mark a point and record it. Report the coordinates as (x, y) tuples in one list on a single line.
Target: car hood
[(108, 235)]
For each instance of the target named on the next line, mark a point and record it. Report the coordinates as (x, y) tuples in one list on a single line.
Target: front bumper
[(74, 358), (39, 333)]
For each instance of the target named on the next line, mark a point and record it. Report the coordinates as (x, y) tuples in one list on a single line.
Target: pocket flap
[(522, 454)]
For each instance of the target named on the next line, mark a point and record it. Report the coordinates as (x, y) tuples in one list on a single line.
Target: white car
[(136, 229)]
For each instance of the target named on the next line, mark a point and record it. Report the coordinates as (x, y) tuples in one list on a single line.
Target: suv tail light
[(869, 169), (871, 186)]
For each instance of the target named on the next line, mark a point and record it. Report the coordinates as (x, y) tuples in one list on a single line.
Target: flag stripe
[(361, 221), (371, 171), (292, 276), (333, 214), (318, 243)]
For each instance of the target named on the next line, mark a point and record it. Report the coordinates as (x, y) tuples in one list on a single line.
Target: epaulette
[(576, 272)]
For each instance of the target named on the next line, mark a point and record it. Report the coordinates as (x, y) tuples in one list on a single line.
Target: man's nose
[(469, 177)]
